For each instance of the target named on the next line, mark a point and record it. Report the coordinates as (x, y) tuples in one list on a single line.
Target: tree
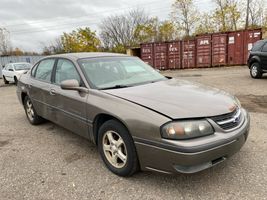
[(5, 44), (147, 32), (80, 40), (185, 15), (256, 13), (167, 31), (227, 15), (55, 47), (119, 31), (206, 24)]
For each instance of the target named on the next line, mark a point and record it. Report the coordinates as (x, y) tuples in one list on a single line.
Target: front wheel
[(117, 148), (255, 70), (15, 80), (31, 114), (5, 81)]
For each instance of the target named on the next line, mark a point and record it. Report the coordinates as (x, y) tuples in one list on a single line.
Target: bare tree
[(256, 13), (227, 14), (118, 31), (247, 14), (5, 44), (185, 15)]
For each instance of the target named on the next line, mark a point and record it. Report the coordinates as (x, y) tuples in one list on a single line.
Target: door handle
[(52, 92)]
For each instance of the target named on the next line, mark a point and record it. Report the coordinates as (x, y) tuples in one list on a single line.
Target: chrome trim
[(157, 170), (233, 119)]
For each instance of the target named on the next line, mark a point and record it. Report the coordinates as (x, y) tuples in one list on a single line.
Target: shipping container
[(174, 55), (219, 49), (203, 51), (236, 48), (147, 54), (188, 54), (160, 56), (250, 37)]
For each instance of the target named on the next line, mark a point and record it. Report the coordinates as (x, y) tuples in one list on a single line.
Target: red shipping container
[(219, 49), (147, 54), (203, 50), (251, 36), (174, 55), (160, 55), (236, 48), (188, 54)]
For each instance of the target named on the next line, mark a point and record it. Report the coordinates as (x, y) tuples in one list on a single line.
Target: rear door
[(70, 104), (39, 88), (264, 57)]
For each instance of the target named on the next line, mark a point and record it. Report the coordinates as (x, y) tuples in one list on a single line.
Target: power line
[(66, 25), (80, 16)]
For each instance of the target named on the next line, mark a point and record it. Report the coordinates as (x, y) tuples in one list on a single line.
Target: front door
[(264, 57), (70, 104)]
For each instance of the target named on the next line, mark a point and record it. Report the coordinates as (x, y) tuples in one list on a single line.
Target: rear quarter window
[(264, 48), (257, 46)]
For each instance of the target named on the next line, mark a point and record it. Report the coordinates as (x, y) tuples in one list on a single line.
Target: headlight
[(186, 129)]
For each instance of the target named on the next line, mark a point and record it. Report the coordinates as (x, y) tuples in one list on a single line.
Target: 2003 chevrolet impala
[(138, 118)]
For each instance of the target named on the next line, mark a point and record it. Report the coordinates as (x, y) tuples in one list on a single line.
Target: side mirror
[(10, 70), (72, 84)]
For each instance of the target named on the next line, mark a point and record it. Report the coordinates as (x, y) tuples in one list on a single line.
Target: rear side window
[(257, 46), (44, 70), (264, 48)]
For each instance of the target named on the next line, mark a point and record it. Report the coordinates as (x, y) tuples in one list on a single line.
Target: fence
[(8, 59)]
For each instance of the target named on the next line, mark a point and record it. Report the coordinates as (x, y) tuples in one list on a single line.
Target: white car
[(13, 71)]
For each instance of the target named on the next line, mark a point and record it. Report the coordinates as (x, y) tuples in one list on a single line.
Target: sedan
[(13, 71), (138, 118)]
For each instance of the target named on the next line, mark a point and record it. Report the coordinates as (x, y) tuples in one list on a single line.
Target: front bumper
[(169, 160)]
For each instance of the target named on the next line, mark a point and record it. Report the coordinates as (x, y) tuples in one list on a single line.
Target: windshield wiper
[(115, 87)]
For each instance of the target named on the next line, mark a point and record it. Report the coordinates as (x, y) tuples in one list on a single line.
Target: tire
[(255, 70), (5, 81), (31, 114), (15, 80), (117, 149)]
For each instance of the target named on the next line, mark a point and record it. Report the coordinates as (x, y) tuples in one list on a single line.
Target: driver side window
[(65, 70)]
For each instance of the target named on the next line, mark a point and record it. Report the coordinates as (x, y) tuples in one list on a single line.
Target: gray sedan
[(138, 118)]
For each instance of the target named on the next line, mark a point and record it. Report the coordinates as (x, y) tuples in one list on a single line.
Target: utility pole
[(247, 16)]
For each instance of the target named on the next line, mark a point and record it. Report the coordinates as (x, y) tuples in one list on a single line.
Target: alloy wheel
[(254, 70), (29, 110), (114, 149)]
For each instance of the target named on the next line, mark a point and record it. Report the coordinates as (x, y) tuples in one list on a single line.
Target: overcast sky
[(33, 23)]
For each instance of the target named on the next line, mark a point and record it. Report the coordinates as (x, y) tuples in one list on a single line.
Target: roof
[(88, 55)]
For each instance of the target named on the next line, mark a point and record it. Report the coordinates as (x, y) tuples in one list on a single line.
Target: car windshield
[(118, 72), (22, 66)]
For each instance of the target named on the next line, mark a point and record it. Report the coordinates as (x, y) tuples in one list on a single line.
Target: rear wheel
[(117, 148), (5, 81), (255, 70), (31, 113)]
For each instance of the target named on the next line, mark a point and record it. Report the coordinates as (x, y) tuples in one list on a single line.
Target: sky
[(34, 24)]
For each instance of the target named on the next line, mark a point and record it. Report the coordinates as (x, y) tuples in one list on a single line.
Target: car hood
[(178, 99), (21, 71)]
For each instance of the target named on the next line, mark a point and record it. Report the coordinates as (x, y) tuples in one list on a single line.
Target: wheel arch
[(23, 95), (101, 119), (254, 59)]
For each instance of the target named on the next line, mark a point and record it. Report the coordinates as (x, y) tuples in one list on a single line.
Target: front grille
[(228, 121)]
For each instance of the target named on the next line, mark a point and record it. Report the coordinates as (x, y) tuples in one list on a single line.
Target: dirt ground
[(49, 162)]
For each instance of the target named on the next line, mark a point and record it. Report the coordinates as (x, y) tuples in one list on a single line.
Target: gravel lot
[(49, 162)]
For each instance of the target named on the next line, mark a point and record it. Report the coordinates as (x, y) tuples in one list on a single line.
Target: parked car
[(13, 71), (138, 118), (257, 61)]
